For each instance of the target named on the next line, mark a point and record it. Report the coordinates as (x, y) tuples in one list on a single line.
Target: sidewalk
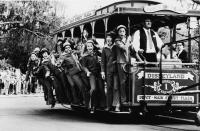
[(24, 95)]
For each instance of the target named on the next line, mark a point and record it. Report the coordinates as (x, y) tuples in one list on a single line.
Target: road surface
[(29, 113)]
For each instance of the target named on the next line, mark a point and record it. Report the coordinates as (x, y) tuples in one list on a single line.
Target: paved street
[(29, 113)]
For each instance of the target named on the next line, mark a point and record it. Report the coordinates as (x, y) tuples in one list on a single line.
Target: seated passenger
[(181, 52)]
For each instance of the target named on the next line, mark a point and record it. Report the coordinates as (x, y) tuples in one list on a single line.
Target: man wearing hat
[(121, 49), (72, 68), (147, 42)]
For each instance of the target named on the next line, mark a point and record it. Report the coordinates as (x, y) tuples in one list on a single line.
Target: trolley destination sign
[(156, 93), (153, 75), (165, 98)]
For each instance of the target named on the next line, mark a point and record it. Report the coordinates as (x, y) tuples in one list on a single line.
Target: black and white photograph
[(99, 65)]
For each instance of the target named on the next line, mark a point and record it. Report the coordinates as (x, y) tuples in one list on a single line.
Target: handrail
[(163, 63)]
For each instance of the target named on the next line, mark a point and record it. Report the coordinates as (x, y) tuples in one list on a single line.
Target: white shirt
[(179, 52), (136, 42)]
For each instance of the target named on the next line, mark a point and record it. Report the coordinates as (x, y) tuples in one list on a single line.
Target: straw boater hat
[(66, 44), (90, 41), (121, 26)]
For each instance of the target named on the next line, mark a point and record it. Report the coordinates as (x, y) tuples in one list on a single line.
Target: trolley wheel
[(197, 118)]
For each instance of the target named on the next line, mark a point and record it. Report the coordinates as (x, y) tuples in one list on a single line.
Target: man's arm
[(136, 41), (159, 41)]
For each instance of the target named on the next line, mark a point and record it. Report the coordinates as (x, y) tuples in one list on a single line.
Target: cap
[(66, 44), (110, 33), (90, 41), (44, 50), (60, 40), (121, 26), (118, 39), (34, 53)]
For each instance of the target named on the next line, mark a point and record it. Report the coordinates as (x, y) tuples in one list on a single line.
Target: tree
[(25, 25)]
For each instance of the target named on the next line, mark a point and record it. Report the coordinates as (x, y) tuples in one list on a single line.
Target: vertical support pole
[(172, 38), (72, 32), (63, 35), (189, 41), (129, 27), (93, 23), (199, 56), (105, 20), (81, 27)]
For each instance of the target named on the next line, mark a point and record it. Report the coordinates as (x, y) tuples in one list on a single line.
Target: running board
[(187, 92)]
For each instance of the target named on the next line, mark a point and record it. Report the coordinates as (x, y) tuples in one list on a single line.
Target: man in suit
[(147, 42), (182, 53)]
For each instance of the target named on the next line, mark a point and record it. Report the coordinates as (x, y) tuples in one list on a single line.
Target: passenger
[(147, 42), (73, 72), (85, 38), (61, 84), (37, 51), (59, 47), (181, 52), (109, 73), (121, 49), (79, 47), (91, 66), (174, 51), (46, 68), (33, 62), (32, 67)]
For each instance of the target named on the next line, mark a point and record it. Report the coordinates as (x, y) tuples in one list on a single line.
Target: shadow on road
[(107, 118)]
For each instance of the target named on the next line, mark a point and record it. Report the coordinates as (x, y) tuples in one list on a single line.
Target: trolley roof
[(136, 7)]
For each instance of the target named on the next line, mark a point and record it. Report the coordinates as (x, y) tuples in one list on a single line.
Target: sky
[(70, 8)]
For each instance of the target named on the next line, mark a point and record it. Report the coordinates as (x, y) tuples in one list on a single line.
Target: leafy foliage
[(26, 25)]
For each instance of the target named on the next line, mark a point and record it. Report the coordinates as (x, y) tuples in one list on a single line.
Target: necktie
[(150, 40)]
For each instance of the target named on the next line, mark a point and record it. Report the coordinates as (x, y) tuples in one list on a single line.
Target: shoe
[(92, 110), (108, 109), (117, 109), (53, 105)]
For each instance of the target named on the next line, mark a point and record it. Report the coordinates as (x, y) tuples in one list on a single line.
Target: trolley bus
[(170, 85)]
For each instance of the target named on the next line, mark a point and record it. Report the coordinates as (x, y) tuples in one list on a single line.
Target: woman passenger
[(91, 66)]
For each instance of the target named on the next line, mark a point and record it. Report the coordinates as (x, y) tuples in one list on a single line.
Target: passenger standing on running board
[(109, 72), (91, 65)]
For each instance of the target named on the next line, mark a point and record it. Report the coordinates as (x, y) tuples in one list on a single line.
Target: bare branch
[(36, 33)]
